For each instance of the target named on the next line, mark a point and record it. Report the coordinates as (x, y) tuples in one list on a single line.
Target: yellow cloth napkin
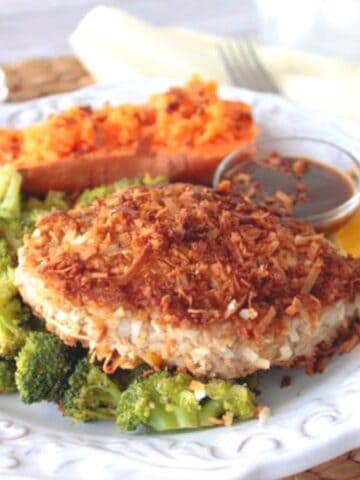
[(114, 46)]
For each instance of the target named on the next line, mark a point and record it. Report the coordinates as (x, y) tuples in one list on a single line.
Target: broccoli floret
[(10, 205), (92, 394), (10, 200), (14, 326), (14, 315), (7, 376), (54, 200), (123, 377), (7, 287), (18, 215), (6, 259), (169, 402), (226, 396), (43, 367), (251, 381), (33, 208), (161, 401), (88, 196)]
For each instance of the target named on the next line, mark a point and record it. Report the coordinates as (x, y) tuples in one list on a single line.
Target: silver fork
[(245, 67)]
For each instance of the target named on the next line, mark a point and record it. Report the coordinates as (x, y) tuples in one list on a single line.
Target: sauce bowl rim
[(343, 209)]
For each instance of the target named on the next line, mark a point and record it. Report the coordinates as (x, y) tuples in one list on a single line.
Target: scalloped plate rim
[(320, 449)]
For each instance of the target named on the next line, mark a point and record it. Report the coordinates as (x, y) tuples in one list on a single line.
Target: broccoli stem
[(10, 205), (177, 418), (10, 184), (107, 398), (7, 376), (211, 409), (186, 419), (91, 395), (12, 336), (106, 404)]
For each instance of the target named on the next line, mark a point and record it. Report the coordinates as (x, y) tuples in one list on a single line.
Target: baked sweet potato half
[(181, 134)]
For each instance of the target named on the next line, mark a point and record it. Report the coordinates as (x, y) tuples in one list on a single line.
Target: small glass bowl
[(320, 151)]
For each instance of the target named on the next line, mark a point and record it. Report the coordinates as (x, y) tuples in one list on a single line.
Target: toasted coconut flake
[(248, 313), (250, 354), (285, 352), (286, 200), (312, 277), (305, 239), (231, 306), (228, 419), (293, 308), (198, 388), (154, 360), (263, 363), (266, 320), (264, 414), (216, 421)]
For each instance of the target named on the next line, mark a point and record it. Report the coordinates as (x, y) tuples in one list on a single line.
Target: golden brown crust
[(346, 340), (193, 256)]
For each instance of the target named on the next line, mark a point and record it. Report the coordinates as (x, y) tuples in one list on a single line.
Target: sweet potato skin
[(78, 172), (181, 134)]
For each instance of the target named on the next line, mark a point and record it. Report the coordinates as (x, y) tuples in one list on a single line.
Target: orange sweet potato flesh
[(182, 134)]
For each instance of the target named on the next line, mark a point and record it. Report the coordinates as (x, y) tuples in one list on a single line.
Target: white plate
[(312, 421)]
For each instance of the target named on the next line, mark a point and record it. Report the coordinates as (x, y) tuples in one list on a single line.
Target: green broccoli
[(123, 377), (18, 213), (161, 400), (88, 196), (92, 394), (227, 396), (10, 205), (7, 376), (251, 381), (33, 208), (43, 367), (14, 326), (14, 315), (10, 200), (7, 287), (169, 402)]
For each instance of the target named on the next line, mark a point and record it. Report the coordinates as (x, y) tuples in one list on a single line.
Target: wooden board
[(36, 78)]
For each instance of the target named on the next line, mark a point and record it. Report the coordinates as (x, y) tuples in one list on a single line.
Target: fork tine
[(268, 81), (228, 55), (244, 66), (256, 77), (229, 67)]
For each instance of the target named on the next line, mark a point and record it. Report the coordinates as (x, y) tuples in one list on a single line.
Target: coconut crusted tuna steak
[(186, 276)]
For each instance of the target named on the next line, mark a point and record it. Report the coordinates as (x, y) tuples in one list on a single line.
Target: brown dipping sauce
[(297, 186)]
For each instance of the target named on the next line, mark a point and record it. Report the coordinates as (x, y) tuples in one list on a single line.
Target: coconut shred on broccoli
[(166, 401)]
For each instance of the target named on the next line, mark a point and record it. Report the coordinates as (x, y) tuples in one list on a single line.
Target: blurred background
[(32, 28), (308, 50)]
